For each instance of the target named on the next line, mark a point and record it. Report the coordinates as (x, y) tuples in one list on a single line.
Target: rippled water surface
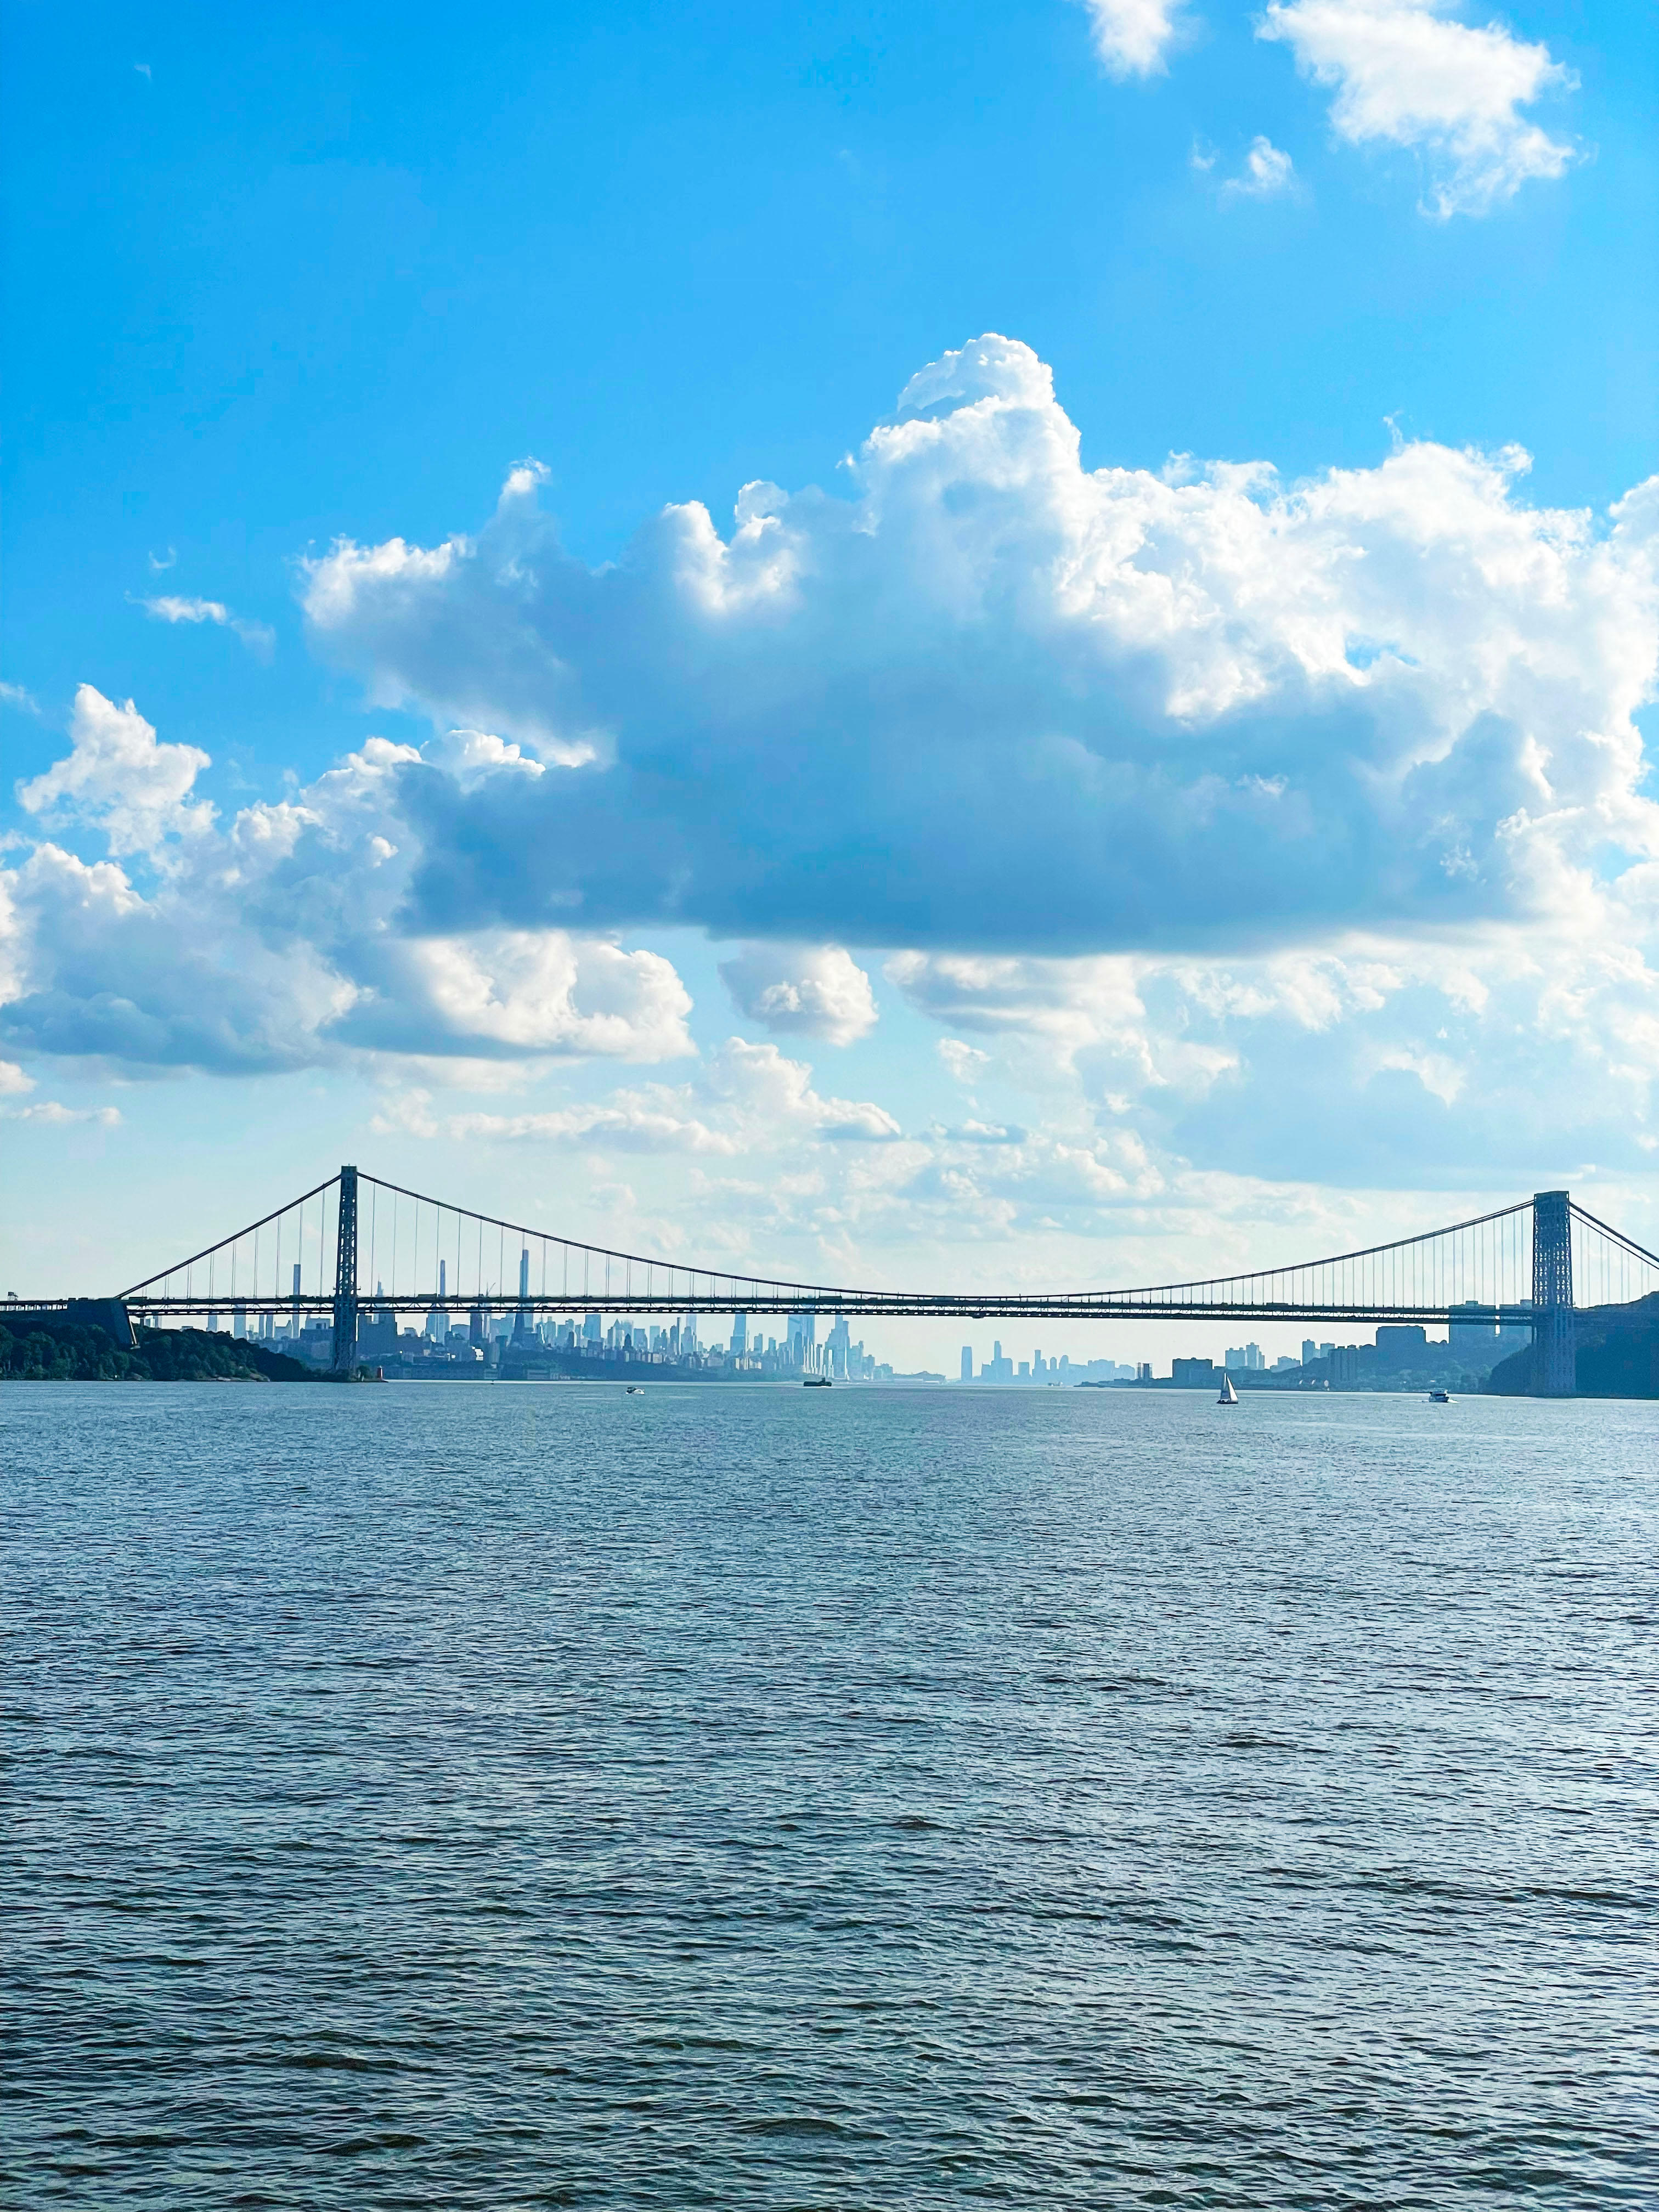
[(501, 1797)]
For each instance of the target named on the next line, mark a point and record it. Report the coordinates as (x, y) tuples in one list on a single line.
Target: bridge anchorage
[(356, 1247)]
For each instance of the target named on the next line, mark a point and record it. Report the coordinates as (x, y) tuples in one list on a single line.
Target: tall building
[(967, 1363), (1192, 1373), (740, 1335), (1402, 1344)]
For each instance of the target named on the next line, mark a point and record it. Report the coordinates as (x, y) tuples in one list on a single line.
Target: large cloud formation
[(1221, 830), (992, 699), (280, 942), (1405, 75)]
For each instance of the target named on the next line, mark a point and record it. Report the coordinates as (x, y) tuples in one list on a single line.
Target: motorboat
[(818, 1382), (636, 1389), (1440, 1397), (1228, 1396)]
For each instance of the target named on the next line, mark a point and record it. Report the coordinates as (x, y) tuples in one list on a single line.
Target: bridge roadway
[(893, 1305)]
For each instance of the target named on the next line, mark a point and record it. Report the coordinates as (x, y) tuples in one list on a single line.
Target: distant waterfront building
[(1192, 1373), (1402, 1344), (1309, 1351), (1246, 1359), (376, 1334), (967, 1363), (1471, 1336)]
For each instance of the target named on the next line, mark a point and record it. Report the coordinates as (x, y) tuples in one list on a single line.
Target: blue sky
[(1156, 771)]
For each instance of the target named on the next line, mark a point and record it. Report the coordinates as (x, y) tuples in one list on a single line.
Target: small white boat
[(636, 1389), (1440, 1397), (1228, 1396)]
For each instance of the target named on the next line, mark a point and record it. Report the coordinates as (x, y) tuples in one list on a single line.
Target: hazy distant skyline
[(974, 648)]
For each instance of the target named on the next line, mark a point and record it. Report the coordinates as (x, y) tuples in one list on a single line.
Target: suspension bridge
[(355, 1244)]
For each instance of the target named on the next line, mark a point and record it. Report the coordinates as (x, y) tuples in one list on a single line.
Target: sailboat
[(1228, 1396)]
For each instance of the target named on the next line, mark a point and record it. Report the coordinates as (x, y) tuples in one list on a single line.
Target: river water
[(505, 1796)]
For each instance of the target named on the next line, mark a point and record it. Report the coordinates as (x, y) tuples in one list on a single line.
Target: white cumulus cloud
[(816, 991), (283, 940), (963, 1062), (746, 1100), (1266, 172), (993, 699), (1134, 38), (1406, 73), (117, 775)]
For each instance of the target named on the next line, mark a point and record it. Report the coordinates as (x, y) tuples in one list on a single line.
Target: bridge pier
[(1554, 1343)]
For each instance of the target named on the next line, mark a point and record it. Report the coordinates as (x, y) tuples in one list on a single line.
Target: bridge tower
[(345, 1276), (1555, 1347)]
